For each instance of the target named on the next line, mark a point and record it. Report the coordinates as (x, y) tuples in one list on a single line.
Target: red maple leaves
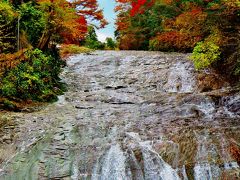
[(139, 6)]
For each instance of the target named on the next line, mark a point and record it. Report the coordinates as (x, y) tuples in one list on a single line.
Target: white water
[(155, 167), (231, 106), (184, 173), (113, 165), (181, 78), (125, 124), (207, 108), (203, 170)]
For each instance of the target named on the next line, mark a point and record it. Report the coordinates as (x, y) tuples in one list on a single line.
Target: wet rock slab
[(128, 115)]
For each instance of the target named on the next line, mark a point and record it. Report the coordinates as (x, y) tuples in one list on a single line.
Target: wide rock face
[(128, 115)]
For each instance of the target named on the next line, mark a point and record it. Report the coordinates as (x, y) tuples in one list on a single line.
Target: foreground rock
[(128, 115)]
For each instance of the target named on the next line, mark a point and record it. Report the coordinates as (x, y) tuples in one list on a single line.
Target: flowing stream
[(127, 115)]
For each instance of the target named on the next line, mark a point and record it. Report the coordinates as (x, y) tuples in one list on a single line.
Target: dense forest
[(29, 33), (208, 28)]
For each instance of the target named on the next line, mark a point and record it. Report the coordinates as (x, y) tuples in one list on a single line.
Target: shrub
[(73, 49), (174, 41), (205, 54), (92, 44), (35, 79)]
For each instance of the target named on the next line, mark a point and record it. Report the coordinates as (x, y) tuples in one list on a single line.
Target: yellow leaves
[(7, 11), (167, 2), (60, 14), (8, 61), (191, 22), (68, 18), (232, 3)]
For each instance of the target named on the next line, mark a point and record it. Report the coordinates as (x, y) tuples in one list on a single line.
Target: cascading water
[(154, 166), (113, 165), (181, 78), (127, 115), (231, 105), (204, 169)]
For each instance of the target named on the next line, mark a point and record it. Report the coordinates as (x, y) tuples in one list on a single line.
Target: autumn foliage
[(139, 6), (30, 30), (68, 19), (178, 25), (9, 61)]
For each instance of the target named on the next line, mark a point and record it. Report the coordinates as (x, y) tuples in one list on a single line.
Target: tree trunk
[(44, 41)]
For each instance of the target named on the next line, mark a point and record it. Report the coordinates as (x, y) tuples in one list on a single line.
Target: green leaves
[(32, 21), (6, 12), (33, 79), (91, 40), (205, 54), (110, 43)]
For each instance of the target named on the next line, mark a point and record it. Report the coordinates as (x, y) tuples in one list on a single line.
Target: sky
[(108, 10)]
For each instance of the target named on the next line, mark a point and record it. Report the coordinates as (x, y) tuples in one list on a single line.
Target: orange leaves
[(184, 31), (122, 23), (131, 41), (122, 26), (68, 18), (168, 2), (91, 9), (175, 40), (78, 33), (8, 61), (191, 21), (177, 25), (118, 8)]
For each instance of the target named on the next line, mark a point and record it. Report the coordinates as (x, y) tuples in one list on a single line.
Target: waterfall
[(207, 108), (203, 170), (184, 173), (127, 115), (113, 165), (231, 105), (155, 167), (181, 78)]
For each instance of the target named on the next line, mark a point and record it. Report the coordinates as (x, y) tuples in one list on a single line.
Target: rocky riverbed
[(128, 115)]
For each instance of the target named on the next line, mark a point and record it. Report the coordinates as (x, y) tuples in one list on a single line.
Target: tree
[(91, 39), (32, 22), (7, 31), (110, 43), (68, 18), (136, 24), (91, 35)]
